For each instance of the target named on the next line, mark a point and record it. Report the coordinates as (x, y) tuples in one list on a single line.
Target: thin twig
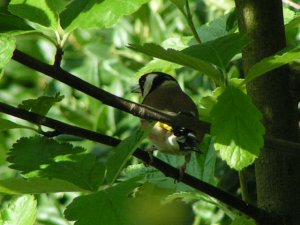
[(169, 171)]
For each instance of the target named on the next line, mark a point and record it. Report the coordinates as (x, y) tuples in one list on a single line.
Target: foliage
[(203, 52), (21, 210)]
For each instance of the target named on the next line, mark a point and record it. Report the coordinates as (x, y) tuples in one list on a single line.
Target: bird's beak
[(136, 89)]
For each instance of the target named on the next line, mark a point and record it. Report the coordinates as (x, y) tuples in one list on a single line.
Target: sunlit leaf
[(20, 211), (97, 13), (237, 127), (41, 12), (7, 47), (272, 62)]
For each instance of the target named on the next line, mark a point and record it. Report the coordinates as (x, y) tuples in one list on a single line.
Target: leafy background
[(105, 58)]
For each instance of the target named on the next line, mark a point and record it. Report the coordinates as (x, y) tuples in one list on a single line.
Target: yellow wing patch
[(164, 126)]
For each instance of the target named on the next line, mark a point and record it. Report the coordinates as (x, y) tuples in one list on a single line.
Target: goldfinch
[(162, 91)]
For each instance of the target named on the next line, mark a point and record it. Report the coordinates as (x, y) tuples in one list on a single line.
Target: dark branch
[(107, 98), (136, 109), (165, 168)]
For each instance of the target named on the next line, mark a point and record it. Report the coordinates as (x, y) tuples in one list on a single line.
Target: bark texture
[(277, 175)]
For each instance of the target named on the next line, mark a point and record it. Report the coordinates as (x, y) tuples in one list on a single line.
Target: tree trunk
[(277, 174)]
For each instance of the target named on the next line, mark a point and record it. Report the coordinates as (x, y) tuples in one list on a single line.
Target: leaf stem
[(189, 19), (244, 186)]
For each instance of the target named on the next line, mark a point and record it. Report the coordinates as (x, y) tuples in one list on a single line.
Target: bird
[(162, 92)]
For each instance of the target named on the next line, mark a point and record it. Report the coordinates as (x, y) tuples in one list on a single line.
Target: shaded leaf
[(7, 124), (13, 25), (242, 220), (82, 170), (109, 206), (272, 62), (231, 22), (43, 157), (21, 211), (178, 57), (177, 43), (41, 12), (78, 116), (180, 4), (122, 153), (156, 177), (28, 154), (16, 186), (41, 105), (219, 51), (237, 127), (97, 13)]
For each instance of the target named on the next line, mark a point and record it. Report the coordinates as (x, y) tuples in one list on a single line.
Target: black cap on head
[(157, 80)]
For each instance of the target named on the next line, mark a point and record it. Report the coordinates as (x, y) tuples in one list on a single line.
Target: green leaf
[(214, 29), (180, 4), (272, 62), (219, 51), (122, 153), (28, 154), (294, 23), (97, 13), (41, 12), (288, 15), (16, 186), (21, 211), (231, 22), (237, 127), (7, 124), (13, 25), (41, 105), (242, 220), (157, 178), (43, 157), (78, 116), (178, 57), (109, 206), (82, 170), (177, 43), (208, 102), (207, 160), (7, 47)]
